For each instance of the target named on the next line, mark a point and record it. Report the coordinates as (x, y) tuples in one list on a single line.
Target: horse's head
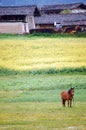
[(71, 91)]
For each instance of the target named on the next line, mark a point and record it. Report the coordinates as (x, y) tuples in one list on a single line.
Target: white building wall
[(78, 11), (14, 28)]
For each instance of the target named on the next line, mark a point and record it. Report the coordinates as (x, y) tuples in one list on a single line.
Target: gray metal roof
[(18, 10), (64, 6)]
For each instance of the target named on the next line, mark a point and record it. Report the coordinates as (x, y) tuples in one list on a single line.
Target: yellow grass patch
[(43, 53)]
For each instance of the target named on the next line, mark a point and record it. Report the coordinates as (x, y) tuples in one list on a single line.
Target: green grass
[(42, 35), (19, 88), (5, 71), (34, 102)]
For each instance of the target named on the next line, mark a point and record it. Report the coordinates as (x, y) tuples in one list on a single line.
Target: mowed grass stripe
[(42, 115)]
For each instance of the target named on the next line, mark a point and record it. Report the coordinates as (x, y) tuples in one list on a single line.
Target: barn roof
[(64, 6), (61, 7), (64, 19), (19, 10)]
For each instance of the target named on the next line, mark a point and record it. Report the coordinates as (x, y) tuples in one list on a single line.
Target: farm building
[(64, 8), (62, 21), (17, 19), (62, 18), (27, 19)]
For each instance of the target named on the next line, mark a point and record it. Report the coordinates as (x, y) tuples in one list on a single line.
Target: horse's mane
[(69, 91)]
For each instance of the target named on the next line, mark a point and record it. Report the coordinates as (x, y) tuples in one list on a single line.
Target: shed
[(18, 14), (55, 9)]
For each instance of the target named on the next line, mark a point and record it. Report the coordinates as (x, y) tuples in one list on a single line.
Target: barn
[(18, 19), (62, 21), (57, 9)]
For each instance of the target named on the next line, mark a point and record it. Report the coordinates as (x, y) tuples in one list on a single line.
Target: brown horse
[(67, 96)]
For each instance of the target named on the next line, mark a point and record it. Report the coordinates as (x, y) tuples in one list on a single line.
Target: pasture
[(33, 72)]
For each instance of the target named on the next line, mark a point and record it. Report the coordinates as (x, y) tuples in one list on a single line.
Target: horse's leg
[(70, 103), (63, 102)]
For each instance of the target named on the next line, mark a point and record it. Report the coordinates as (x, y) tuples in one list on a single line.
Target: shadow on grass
[(6, 71)]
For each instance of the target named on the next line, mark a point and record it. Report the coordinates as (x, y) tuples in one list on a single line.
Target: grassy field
[(33, 72), (34, 102), (42, 54)]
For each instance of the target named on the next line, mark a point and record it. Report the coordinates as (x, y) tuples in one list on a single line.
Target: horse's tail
[(73, 99)]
